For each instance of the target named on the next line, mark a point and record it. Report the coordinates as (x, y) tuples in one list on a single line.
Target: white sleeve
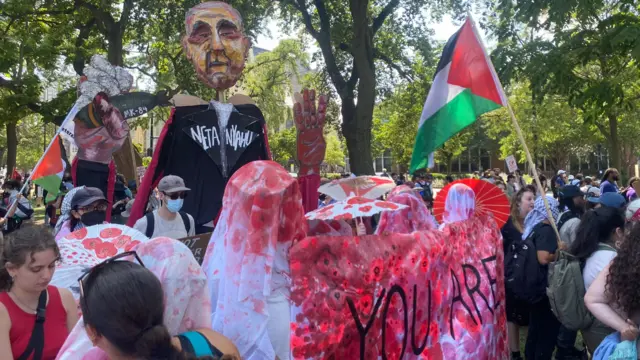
[(141, 225), (192, 229)]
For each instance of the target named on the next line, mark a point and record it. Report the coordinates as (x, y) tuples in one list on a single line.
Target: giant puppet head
[(215, 43)]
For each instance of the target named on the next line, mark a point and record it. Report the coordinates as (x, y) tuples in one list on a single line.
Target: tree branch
[(380, 56), (323, 38), (126, 14), (6, 83), (306, 17), (153, 77), (105, 20), (384, 14), (324, 16)]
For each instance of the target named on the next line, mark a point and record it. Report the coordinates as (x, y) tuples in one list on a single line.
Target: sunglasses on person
[(102, 265), (176, 196), (90, 208)]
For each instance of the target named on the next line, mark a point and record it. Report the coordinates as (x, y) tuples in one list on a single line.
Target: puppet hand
[(112, 118), (310, 125)]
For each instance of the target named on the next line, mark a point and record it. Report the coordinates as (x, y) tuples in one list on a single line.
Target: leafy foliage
[(367, 46), (584, 51)]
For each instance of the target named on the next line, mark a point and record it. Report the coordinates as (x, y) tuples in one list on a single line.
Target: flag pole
[(516, 125), (72, 113)]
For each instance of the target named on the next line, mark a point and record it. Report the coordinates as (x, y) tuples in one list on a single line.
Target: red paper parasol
[(490, 199), (370, 187), (353, 207)]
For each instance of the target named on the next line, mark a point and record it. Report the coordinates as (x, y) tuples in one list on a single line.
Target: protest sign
[(425, 295), (140, 170), (198, 245), (512, 164)]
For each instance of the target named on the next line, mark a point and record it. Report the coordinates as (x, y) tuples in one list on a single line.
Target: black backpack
[(525, 278), (151, 223)]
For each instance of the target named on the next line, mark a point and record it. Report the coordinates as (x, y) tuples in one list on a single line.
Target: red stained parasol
[(352, 208), (370, 187), (490, 199)]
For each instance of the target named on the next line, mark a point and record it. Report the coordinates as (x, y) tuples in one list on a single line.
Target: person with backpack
[(595, 248), (526, 271), (572, 206), (168, 220), (517, 310), (614, 296)]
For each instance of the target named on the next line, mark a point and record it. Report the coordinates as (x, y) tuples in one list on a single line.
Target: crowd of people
[(162, 304)]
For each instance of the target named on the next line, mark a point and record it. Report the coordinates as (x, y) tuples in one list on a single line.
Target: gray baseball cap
[(172, 184), (86, 196)]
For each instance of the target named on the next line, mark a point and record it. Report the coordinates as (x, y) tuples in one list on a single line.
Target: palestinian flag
[(48, 173), (465, 86)]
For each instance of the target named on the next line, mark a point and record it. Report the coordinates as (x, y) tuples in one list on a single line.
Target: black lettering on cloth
[(475, 289), (362, 331), (418, 350), (457, 297), (385, 310), (492, 280)]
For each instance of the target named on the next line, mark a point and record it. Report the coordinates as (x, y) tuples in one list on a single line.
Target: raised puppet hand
[(310, 125), (99, 143)]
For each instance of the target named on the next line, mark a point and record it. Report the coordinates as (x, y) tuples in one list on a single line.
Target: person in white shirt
[(168, 220), (595, 244)]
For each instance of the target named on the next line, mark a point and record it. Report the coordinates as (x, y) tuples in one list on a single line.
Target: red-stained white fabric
[(460, 204), (416, 217), (186, 296), (329, 228), (247, 260)]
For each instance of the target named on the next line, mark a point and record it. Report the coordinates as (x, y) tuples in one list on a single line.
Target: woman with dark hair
[(132, 297), (517, 311), (595, 247), (27, 262), (631, 193), (614, 296), (571, 206)]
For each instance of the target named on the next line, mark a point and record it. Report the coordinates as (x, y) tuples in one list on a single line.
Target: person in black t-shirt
[(543, 325)]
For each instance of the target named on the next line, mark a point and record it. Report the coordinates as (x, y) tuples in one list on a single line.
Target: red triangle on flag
[(51, 163), (470, 68)]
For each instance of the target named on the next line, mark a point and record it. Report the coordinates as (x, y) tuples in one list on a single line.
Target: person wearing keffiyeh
[(65, 209), (543, 325), (539, 214)]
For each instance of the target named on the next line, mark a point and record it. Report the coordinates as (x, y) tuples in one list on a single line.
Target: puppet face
[(215, 43)]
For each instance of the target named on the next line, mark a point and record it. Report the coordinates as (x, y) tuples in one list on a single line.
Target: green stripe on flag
[(50, 183), (457, 114)]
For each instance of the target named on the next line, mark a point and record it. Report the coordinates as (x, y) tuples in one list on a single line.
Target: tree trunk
[(12, 147), (358, 139), (115, 51), (614, 149)]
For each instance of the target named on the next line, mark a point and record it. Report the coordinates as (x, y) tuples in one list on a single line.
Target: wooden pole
[(536, 178), (521, 138)]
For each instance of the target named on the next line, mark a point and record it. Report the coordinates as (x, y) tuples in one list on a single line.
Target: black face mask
[(93, 218)]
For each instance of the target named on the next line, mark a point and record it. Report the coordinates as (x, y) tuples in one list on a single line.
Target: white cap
[(561, 172)]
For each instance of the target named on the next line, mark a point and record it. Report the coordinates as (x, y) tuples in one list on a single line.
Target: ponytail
[(155, 344)]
